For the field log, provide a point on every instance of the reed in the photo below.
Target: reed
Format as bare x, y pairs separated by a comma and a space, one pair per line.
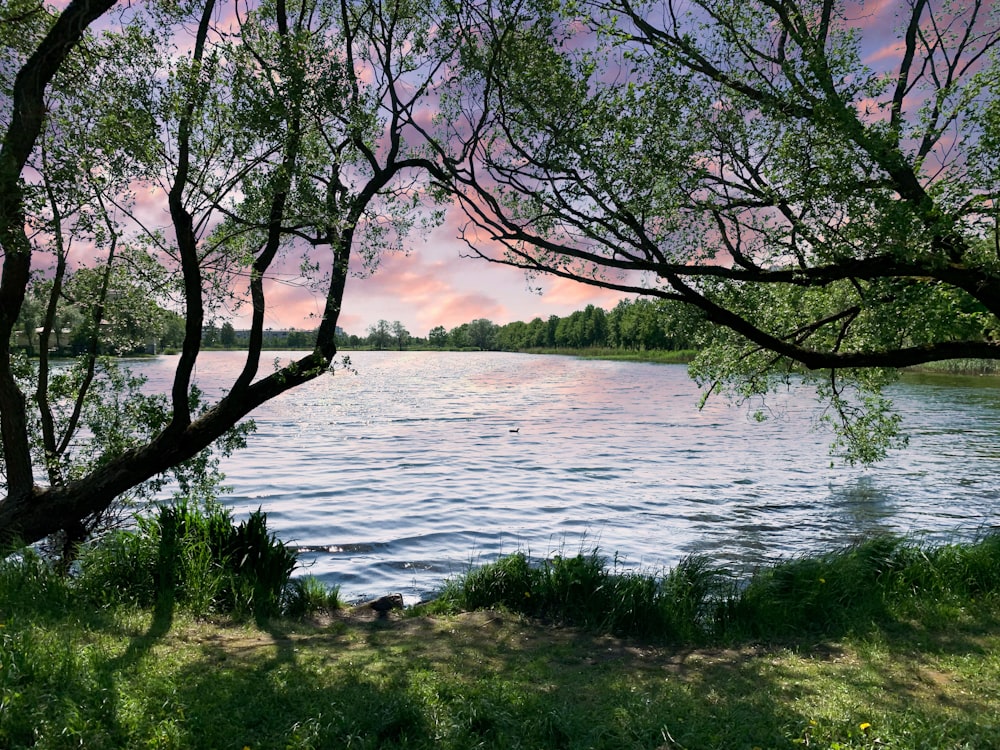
307, 595
825, 594
876, 581
581, 590
195, 557
961, 367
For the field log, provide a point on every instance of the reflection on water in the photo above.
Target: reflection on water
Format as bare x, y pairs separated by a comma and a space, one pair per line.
405, 473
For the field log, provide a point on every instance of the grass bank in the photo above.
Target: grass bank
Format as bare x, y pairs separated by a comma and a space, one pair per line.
970, 367
885, 644
952, 367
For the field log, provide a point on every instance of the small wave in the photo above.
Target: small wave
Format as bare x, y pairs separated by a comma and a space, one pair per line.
339, 549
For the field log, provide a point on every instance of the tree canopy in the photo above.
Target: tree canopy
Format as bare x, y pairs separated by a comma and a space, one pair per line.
827, 196
271, 136
833, 208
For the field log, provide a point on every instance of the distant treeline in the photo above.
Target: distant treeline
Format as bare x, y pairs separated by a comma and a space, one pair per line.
632, 325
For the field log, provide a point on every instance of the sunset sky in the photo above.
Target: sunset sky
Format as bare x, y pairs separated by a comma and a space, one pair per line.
434, 285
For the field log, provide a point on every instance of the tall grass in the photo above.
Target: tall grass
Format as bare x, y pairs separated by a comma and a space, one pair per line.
961, 367
198, 558
76, 675
102, 678
581, 590
875, 581
32, 588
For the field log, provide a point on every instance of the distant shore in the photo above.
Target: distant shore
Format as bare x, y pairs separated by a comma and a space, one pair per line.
952, 367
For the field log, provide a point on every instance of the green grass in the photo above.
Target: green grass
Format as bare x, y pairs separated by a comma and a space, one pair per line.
960, 367
199, 559
581, 591
875, 582
902, 652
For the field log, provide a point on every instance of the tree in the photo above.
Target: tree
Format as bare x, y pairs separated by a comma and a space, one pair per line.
379, 334
438, 337
172, 327
287, 132
227, 335
297, 339
833, 219
595, 326
482, 334
513, 336
401, 335
210, 336
537, 334
459, 336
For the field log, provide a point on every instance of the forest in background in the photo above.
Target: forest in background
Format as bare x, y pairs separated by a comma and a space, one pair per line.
632, 325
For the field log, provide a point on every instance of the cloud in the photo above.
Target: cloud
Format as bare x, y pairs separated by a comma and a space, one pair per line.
890, 51
410, 278
423, 289
456, 309
561, 291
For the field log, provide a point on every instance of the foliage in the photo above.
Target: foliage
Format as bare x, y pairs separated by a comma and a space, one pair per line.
580, 590
829, 593
281, 147
632, 325
102, 411
379, 334
307, 595
197, 558
874, 582
832, 212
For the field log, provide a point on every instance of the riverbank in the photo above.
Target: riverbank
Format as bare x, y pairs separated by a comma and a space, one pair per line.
952, 367
922, 673
971, 367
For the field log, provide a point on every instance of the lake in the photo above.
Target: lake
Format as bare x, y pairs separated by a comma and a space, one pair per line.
417, 465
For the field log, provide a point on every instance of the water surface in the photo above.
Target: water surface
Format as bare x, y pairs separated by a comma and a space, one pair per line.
405, 472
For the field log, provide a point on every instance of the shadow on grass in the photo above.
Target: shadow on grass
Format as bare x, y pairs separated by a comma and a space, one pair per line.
485, 679
488, 680
166, 601
159, 627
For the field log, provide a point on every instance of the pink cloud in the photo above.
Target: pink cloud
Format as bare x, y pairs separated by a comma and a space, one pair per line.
890, 51
566, 292
150, 207
292, 305
457, 308
408, 278
351, 323
425, 291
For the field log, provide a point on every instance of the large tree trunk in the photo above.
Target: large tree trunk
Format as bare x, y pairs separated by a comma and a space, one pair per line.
30, 512
40, 512
27, 117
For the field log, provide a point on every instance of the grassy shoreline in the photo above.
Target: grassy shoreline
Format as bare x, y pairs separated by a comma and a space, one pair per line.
489, 679
920, 670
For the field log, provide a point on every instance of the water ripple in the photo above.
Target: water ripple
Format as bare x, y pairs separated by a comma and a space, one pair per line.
406, 473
